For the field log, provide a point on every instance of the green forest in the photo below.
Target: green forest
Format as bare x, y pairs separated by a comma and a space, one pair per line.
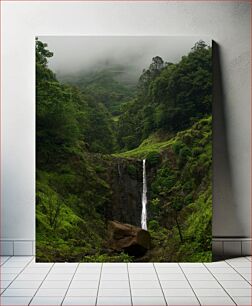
93, 132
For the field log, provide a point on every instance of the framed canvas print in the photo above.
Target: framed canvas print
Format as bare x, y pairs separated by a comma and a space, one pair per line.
123, 149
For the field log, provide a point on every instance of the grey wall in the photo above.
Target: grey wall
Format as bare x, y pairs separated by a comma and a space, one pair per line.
228, 23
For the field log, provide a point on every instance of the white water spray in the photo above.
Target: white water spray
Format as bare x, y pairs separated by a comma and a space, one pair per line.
144, 199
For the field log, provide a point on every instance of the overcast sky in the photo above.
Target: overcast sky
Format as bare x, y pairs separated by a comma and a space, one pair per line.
77, 53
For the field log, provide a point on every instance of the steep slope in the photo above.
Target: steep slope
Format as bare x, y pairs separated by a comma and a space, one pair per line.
179, 193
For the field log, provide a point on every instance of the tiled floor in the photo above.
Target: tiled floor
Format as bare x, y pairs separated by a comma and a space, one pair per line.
24, 282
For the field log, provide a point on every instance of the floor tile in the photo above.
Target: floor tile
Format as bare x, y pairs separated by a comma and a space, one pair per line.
114, 264
114, 269
59, 277
200, 276
243, 270
235, 284
103, 300
114, 292
220, 264
220, 300
143, 277
241, 264
66, 265
62, 270
152, 301
239, 291
40, 265
174, 284
4, 259
25, 284
140, 264
9, 270
115, 276
55, 284
51, 292
47, 300
247, 277
229, 276
14, 300
36, 270
9, 276
178, 292
204, 284
141, 271
80, 300
82, 292
180, 300
94, 264
86, 277
89, 270
146, 292
84, 284
145, 284
5, 283
195, 270
166, 264
114, 284
14, 264
243, 300
191, 264
210, 292
172, 276
219, 270
139, 267
28, 276
237, 259
21, 258
19, 292
169, 270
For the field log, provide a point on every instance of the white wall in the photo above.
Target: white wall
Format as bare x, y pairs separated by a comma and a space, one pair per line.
228, 23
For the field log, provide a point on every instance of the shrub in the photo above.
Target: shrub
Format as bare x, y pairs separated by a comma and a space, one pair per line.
177, 145
153, 158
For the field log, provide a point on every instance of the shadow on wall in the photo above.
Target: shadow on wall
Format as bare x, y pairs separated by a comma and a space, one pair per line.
225, 215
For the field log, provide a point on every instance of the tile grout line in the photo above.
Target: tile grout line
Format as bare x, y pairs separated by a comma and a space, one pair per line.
189, 284
1, 266
96, 300
239, 273
70, 284
220, 284
131, 299
41, 283
16, 276
9, 257
246, 258
160, 283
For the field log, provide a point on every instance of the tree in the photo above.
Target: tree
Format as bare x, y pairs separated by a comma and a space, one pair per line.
42, 54
171, 97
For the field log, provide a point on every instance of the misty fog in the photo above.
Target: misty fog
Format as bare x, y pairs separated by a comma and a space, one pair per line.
131, 54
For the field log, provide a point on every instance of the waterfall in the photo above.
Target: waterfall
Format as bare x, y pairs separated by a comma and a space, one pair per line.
144, 199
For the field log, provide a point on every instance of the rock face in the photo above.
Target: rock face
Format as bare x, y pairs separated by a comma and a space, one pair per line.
128, 238
125, 180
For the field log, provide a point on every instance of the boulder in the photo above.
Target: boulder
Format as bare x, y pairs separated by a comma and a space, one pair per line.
131, 239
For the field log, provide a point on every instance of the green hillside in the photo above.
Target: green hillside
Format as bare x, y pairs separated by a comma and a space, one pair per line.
103, 85
180, 197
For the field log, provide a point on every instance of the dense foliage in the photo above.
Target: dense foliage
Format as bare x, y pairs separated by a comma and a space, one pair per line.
87, 123
171, 97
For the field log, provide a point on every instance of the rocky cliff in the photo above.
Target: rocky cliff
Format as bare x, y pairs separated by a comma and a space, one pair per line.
125, 179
